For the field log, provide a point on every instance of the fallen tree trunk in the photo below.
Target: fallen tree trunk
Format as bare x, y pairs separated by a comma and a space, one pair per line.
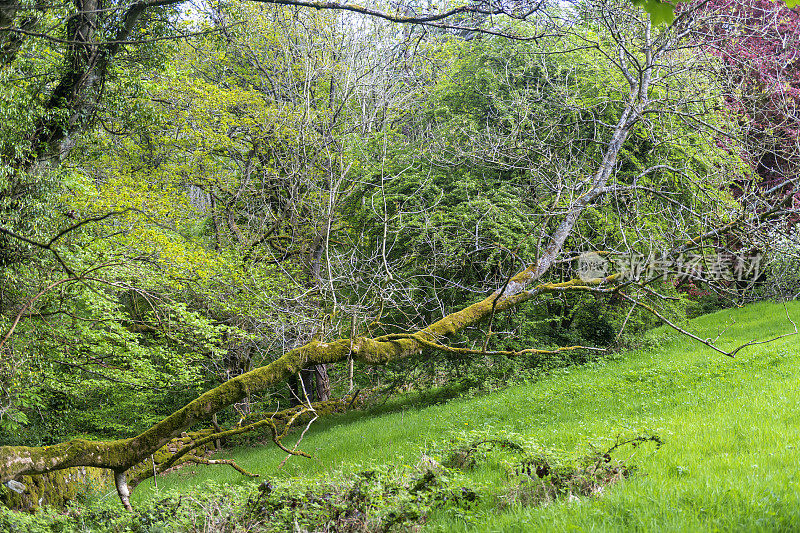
121, 455
55, 489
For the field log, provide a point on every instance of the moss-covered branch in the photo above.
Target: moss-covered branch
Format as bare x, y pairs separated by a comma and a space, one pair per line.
121, 455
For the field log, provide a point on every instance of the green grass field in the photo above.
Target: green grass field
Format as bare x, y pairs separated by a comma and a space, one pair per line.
731, 430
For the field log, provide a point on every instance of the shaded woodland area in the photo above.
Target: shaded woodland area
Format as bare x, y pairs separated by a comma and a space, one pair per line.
231, 217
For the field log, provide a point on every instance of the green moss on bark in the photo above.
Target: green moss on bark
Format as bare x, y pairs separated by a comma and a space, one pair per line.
58, 488
125, 454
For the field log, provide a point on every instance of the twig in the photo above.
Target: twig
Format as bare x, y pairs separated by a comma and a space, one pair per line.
30, 303
497, 298
467, 351
708, 342
49, 245
294, 448
754, 342
229, 462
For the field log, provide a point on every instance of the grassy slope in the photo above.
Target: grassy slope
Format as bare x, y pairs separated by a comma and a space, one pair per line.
731, 430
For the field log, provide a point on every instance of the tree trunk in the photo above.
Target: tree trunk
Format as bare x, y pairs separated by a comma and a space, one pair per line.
323, 383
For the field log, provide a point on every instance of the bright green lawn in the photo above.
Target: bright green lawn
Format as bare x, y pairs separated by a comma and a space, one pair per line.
730, 462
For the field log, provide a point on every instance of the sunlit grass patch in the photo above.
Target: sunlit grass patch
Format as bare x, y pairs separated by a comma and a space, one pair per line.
731, 432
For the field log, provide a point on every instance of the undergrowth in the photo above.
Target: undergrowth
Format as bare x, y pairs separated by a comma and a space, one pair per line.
384, 498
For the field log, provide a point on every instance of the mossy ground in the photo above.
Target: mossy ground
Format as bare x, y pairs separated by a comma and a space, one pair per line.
731, 431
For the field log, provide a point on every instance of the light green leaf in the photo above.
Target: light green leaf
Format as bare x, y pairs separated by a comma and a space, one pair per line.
660, 12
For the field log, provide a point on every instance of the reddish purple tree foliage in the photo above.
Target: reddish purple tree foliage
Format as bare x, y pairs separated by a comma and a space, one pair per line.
758, 42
